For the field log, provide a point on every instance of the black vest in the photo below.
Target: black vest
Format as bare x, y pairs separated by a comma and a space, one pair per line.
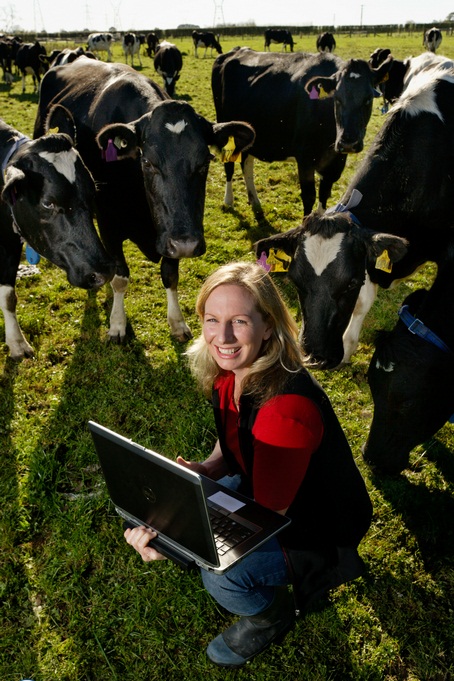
332, 506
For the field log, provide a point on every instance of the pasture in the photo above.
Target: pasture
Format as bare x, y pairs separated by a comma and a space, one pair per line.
78, 604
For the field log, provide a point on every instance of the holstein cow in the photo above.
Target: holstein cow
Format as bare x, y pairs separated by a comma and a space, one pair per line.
278, 35
432, 39
326, 42
396, 214
207, 40
152, 43
66, 56
151, 174
29, 61
47, 195
131, 46
168, 62
280, 96
411, 374
100, 42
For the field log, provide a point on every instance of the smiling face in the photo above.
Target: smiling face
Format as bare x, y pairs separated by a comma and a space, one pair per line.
234, 329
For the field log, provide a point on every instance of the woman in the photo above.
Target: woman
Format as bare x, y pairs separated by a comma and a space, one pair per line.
280, 443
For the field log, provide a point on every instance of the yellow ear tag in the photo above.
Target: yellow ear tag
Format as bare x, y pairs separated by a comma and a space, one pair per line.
52, 131
322, 93
383, 262
278, 260
227, 155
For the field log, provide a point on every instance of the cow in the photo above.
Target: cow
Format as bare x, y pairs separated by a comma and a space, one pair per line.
151, 175
152, 44
168, 62
432, 39
326, 42
47, 195
206, 39
29, 60
278, 35
280, 96
66, 56
131, 46
100, 42
6, 59
396, 214
411, 374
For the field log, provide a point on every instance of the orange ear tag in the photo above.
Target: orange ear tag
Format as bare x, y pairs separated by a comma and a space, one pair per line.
322, 93
383, 262
278, 260
52, 131
227, 155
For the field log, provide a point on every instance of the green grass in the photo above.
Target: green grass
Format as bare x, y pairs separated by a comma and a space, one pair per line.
77, 603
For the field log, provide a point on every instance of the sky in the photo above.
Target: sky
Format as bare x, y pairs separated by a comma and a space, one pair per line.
100, 15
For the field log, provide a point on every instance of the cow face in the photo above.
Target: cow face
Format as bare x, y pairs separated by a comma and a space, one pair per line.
330, 257
51, 193
353, 89
411, 384
172, 143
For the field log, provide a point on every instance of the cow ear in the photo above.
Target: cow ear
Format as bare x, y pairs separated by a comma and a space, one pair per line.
381, 73
287, 242
243, 135
60, 119
14, 182
321, 86
385, 250
118, 141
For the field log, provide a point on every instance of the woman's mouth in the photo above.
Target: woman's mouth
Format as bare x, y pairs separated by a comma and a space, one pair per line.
227, 352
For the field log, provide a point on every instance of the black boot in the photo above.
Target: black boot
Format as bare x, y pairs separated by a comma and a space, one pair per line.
250, 635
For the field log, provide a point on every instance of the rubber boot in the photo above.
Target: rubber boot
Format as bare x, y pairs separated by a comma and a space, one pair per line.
250, 635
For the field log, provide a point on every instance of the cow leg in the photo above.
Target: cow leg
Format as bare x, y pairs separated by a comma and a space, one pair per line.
329, 175
228, 194
247, 166
350, 339
117, 330
14, 337
169, 276
306, 178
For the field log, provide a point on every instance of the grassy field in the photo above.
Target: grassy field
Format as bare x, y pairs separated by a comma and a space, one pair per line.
77, 603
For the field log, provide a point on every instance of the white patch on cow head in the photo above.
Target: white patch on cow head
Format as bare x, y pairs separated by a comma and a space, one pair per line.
354, 75
177, 128
388, 367
320, 251
64, 162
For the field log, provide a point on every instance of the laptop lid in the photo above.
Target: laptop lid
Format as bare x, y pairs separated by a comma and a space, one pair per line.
148, 489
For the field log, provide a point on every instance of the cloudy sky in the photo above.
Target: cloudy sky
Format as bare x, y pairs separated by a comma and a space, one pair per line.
55, 15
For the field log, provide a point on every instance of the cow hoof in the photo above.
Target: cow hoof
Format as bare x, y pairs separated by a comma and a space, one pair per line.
116, 338
182, 336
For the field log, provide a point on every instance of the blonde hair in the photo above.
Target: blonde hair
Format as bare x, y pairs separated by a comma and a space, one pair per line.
281, 353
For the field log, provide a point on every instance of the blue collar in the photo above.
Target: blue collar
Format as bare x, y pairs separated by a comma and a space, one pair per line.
417, 327
18, 142
353, 201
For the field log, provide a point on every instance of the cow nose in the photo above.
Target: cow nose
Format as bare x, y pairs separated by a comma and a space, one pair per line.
347, 147
188, 248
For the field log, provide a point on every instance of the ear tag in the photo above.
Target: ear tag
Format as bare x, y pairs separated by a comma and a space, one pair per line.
32, 256
227, 155
313, 94
120, 142
53, 131
111, 152
383, 262
322, 93
278, 260
262, 262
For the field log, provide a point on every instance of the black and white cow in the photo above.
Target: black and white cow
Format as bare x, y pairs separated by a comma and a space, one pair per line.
206, 40
151, 175
168, 62
326, 42
66, 56
411, 374
397, 213
47, 195
432, 39
280, 95
29, 60
278, 35
100, 42
152, 43
131, 46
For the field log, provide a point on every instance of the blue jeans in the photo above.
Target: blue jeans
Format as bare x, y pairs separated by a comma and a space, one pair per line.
248, 587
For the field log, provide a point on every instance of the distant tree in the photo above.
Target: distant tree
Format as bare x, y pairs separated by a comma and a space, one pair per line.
450, 17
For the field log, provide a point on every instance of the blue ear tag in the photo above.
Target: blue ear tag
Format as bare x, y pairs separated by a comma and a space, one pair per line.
451, 419
32, 256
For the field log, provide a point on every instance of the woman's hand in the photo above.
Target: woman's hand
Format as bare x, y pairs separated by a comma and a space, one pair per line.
139, 538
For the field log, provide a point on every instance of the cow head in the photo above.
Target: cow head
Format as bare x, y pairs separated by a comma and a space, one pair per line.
411, 384
172, 143
50, 193
353, 89
330, 256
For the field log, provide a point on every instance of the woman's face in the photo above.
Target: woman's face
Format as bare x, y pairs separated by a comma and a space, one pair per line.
233, 328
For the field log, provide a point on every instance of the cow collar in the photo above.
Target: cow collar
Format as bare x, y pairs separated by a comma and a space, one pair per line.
418, 328
354, 200
18, 142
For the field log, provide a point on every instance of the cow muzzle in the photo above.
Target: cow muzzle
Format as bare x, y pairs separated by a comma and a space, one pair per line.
184, 248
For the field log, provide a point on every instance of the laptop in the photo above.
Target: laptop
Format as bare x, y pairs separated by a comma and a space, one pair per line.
199, 522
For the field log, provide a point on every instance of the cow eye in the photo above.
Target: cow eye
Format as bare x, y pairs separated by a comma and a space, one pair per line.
48, 205
148, 165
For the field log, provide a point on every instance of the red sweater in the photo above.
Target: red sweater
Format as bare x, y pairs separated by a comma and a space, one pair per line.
287, 430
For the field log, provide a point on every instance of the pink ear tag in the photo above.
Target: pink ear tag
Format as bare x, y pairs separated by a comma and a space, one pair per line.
262, 262
313, 93
111, 152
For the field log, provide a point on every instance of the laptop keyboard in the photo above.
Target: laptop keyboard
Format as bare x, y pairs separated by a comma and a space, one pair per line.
227, 532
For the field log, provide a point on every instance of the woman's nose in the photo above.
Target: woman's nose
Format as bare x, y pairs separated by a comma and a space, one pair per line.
225, 333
